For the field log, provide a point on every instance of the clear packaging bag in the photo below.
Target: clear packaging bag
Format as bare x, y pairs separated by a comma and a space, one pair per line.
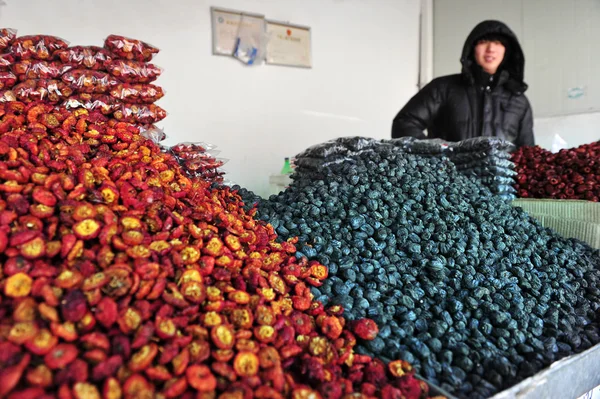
186, 150
34, 69
50, 90
6, 62
251, 42
137, 93
90, 81
90, 57
133, 71
7, 80
93, 102
7, 37
7, 96
140, 113
130, 49
40, 47
153, 133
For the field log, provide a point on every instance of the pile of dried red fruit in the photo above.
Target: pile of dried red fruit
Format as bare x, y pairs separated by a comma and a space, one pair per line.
569, 174
123, 278
115, 79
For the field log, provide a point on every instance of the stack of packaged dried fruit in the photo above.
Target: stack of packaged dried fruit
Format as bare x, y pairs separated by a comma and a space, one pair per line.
198, 160
116, 79
124, 278
572, 173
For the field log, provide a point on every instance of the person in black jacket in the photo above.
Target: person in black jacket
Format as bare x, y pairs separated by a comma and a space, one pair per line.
486, 99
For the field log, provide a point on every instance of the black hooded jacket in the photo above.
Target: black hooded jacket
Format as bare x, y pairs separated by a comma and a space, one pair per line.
473, 104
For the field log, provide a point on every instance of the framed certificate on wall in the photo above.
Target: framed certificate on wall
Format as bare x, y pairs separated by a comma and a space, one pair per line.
225, 27
288, 45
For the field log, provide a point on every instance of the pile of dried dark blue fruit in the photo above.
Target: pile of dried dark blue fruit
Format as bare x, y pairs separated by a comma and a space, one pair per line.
473, 292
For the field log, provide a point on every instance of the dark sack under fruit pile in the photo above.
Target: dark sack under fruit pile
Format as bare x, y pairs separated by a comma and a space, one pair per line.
476, 294
121, 277
573, 173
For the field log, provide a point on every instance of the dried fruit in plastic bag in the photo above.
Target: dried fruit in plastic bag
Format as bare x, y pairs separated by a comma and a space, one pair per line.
130, 49
89, 81
40, 47
7, 80
153, 133
49, 90
6, 62
204, 164
137, 93
7, 96
7, 36
93, 102
189, 150
140, 113
133, 71
33, 69
90, 57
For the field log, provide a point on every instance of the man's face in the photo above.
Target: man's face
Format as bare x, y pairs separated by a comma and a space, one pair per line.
489, 55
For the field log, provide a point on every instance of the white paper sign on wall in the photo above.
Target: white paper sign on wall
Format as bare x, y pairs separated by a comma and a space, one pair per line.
289, 45
225, 26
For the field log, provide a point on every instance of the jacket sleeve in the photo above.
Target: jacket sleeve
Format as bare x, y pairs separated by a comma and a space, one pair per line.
526, 129
419, 113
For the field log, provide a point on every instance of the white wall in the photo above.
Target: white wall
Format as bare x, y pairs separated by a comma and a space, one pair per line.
365, 66
544, 71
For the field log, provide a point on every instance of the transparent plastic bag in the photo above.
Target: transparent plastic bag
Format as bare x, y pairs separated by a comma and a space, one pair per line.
490, 161
140, 113
489, 171
7, 80
357, 143
203, 165
90, 57
483, 144
6, 62
153, 133
323, 150
7, 37
49, 90
90, 81
7, 96
93, 102
186, 150
130, 49
133, 71
40, 47
34, 69
251, 42
467, 157
137, 93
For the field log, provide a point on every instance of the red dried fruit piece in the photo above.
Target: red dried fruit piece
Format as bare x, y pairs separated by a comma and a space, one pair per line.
268, 357
60, 356
137, 387
165, 328
84, 390
175, 388
158, 373
87, 229
332, 327
84, 211
69, 279
365, 329
200, 378
107, 312
265, 334
399, 368
40, 376
112, 389
194, 291
10, 376
34, 249
22, 332
246, 364
18, 285
143, 358
44, 197
74, 306
129, 320
25, 310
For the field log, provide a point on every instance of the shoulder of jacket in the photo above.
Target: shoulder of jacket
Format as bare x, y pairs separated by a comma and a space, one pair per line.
448, 80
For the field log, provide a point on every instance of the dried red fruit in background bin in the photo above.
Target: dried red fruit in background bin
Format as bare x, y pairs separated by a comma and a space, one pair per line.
89, 81
130, 49
133, 71
90, 57
7, 80
146, 114
32, 90
246, 364
137, 93
33, 69
40, 47
7, 37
